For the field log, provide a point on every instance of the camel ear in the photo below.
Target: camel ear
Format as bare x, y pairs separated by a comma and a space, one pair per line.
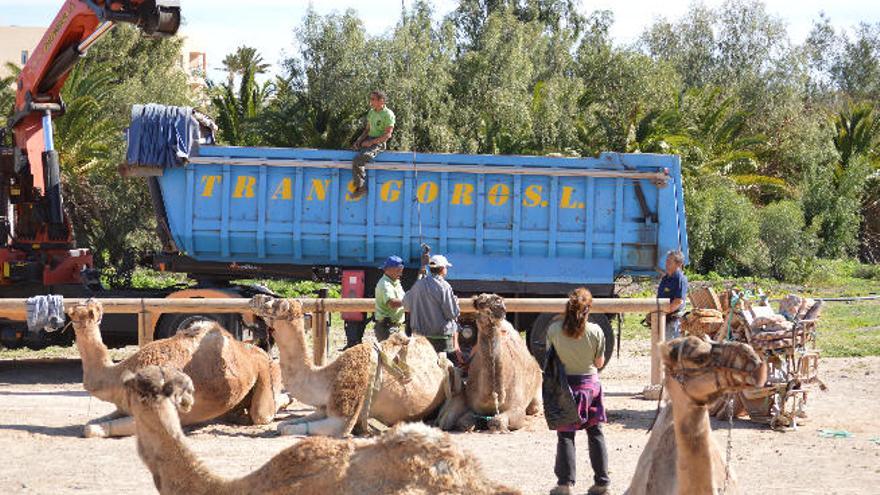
127, 377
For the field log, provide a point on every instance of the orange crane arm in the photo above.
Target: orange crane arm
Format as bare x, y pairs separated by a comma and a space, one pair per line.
77, 26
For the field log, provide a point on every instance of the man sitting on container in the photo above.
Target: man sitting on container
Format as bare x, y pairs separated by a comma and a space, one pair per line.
674, 286
371, 142
389, 299
433, 308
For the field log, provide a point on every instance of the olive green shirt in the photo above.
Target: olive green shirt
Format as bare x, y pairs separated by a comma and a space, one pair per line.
386, 290
578, 355
379, 121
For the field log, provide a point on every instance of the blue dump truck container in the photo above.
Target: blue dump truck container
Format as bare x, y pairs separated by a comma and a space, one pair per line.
515, 225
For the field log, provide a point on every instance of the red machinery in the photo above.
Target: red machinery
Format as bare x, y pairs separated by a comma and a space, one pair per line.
36, 239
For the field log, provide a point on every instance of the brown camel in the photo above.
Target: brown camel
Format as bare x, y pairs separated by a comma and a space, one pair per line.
409, 390
681, 458
408, 459
504, 380
229, 375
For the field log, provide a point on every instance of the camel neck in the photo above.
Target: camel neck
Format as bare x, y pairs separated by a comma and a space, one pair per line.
490, 347
175, 468
694, 452
99, 373
294, 353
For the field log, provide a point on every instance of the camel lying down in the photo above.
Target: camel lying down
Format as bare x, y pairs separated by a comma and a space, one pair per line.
410, 388
408, 459
230, 376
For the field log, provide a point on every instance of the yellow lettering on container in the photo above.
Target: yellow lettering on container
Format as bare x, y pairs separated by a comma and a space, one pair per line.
318, 190
390, 191
427, 192
351, 189
244, 186
284, 189
499, 194
209, 181
566, 202
462, 194
533, 196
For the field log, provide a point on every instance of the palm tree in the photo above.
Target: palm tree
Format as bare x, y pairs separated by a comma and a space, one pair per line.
857, 133
237, 110
243, 59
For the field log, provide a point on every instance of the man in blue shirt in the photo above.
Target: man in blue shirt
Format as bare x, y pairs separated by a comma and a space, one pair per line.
674, 286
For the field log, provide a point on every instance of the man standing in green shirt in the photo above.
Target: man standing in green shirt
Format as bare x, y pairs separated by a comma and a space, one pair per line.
371, 142
389, 299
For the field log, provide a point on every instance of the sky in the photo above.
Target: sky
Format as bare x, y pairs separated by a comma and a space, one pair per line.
219, 26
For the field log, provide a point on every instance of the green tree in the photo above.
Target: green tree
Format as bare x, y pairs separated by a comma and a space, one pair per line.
239, 110
243, 59
112, 215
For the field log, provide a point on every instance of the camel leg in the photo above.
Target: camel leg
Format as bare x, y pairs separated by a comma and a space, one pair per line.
318, 414
121, 427
536, 404
330, 427
452, 410
513, 419
263, 407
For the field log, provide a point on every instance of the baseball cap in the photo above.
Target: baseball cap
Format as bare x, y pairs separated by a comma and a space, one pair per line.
392, 262
438, 260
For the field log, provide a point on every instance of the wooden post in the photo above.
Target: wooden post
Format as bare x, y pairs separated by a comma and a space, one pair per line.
658, 335
319, 337
145, 336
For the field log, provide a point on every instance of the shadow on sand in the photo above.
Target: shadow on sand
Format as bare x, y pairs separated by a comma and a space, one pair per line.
40, 371
49, 431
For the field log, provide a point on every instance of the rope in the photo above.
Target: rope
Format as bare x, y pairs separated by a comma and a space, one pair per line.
411, 132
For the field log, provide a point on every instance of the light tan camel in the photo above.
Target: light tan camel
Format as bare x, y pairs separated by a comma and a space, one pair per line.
408, 459
229, 375
681, 458
504, 380
339, 389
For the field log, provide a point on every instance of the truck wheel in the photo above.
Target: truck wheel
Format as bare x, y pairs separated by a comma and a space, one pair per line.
537, 339
170, 324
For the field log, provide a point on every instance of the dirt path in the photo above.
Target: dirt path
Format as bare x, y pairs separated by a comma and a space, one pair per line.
43, 407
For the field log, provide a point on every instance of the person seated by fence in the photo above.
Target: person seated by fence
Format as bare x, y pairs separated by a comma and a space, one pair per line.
674, 286
580, 347
389, 299
371, 142
433, 308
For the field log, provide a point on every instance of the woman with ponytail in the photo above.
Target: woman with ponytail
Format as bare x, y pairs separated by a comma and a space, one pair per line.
580, 347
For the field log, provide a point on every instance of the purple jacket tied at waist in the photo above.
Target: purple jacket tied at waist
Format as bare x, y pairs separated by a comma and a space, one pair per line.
587, 393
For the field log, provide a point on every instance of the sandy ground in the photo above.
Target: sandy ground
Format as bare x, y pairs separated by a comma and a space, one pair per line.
43, 408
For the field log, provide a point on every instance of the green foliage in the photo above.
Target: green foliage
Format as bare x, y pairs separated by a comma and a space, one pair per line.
302, 288
790, 244
724, 232
111, 215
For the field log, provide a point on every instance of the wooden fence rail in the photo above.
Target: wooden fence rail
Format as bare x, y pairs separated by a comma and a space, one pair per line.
152, 308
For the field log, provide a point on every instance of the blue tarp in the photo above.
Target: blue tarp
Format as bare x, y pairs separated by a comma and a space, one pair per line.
161, 136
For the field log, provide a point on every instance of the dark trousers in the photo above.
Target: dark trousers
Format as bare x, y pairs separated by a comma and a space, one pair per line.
565, 456
441, 344
383, 329
358, 165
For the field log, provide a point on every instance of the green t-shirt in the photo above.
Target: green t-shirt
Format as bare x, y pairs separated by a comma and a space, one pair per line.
379, 121
386, 290
578, 355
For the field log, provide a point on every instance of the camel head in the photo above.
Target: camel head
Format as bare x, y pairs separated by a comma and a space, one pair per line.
86, 315
703, 370
274, 308
159, 388
490, 310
